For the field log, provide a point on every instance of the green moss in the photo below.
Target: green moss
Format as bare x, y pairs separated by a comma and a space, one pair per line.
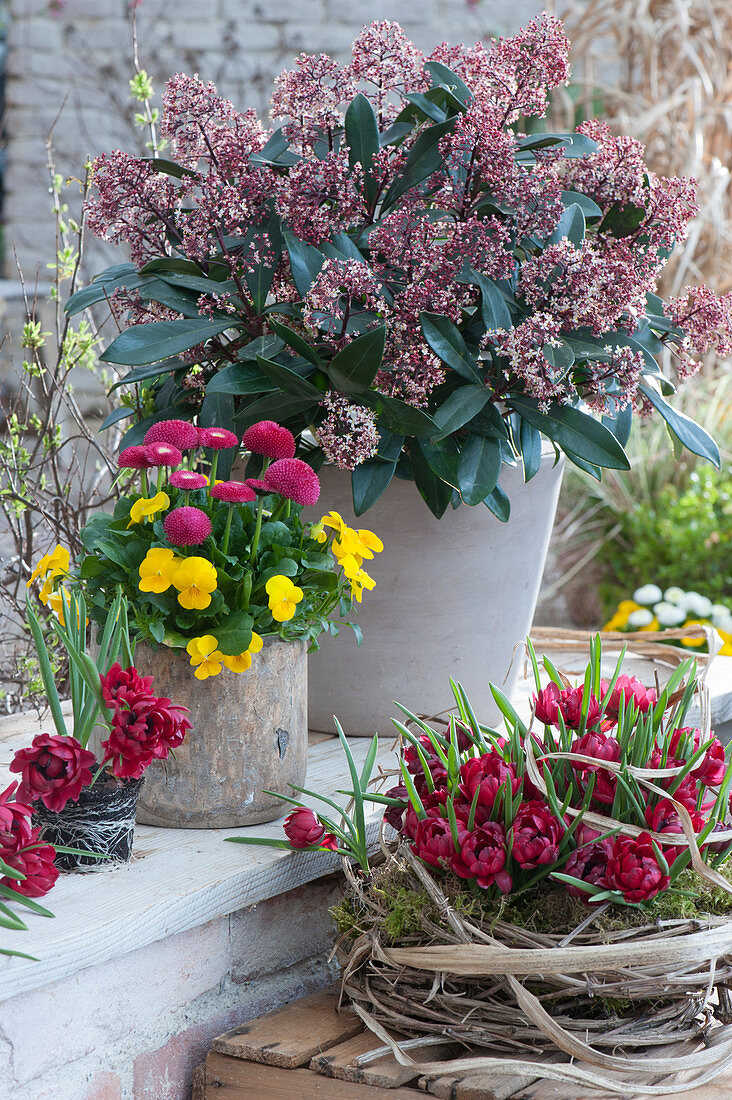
409, 914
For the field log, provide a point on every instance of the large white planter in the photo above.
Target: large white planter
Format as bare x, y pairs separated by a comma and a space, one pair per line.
452, 598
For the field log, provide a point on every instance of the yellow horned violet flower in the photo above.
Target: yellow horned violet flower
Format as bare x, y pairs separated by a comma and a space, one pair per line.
157, 569
195, 580
359, 544
55, 564
146, 507
283, 597
358, 577
206, 658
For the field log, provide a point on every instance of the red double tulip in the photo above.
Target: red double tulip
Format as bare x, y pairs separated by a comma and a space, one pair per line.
712, 768
600, 747
482, 857
536, 835
486, 774
305, 830
433, 841
633, 869
553, 701
15, 823
588, 863
628, 689
120, 685
37, 865
53, 769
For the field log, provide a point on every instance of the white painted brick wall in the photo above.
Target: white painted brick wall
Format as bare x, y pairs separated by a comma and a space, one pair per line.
81, 58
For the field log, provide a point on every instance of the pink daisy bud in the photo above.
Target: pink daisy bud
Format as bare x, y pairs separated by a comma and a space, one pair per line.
187, 526
294, 479
257, 485
135, 458
186, 479
218, 439
269, 439
179, 433
163, 454
234, 492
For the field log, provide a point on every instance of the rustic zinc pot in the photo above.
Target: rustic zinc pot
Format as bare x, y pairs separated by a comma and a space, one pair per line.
249, 733
453, 597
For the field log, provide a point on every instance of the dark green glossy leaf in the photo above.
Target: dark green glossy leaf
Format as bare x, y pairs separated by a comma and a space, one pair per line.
362, 138
289, 380
368, 482
427, 106
354, 368
460, 407
447, 342
146, 373
295, 341
122, 413
240, 379
276, 151
588, 206
488, 422
499, 504
442, 458
493, 308
573, 144
101, 289
434, 492
158, 340
170, 168
530, 442
620, 424
275, 406
398, 417
305, 262
695, 438
574, 431
623, 220
571, 225
160, 290
446, 78
479, 468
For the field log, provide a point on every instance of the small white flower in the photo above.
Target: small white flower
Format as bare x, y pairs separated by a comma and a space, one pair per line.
674, 594
641, 617
720, 614
669, 615
648, 594
695, 604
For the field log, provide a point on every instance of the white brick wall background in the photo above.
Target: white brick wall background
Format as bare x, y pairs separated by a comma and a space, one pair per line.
74, 67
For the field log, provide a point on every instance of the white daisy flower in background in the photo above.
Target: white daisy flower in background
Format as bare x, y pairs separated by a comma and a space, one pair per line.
647, 594
673, 594
695, 604
641, 617
668, 614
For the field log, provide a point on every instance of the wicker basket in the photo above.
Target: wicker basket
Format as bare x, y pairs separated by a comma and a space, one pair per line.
645, 1009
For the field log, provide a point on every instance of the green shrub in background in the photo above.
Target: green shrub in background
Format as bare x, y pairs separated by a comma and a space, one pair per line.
676, 537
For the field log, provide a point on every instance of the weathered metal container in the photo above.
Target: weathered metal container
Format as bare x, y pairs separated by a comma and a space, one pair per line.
250, 733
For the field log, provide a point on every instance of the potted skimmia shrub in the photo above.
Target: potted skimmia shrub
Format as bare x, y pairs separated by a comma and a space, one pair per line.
430, 298
226, 589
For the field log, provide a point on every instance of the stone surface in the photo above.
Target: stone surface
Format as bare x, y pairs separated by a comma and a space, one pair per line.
249, 734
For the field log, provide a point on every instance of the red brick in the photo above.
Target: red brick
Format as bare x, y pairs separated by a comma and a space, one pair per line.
104, 1086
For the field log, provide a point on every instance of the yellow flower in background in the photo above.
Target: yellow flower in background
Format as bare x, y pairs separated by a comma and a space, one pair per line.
334, 520
284, 596
621, 615
726, 650
318, 532
242, 661
146, 507
652, 625
358, 577
195, 580
206, 658
55, 564
359, 544
157, 569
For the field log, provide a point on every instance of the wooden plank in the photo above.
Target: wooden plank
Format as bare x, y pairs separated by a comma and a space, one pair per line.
236, 1079
292, 1035
386, 1073
199, 1083
177, 880
478, 1086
